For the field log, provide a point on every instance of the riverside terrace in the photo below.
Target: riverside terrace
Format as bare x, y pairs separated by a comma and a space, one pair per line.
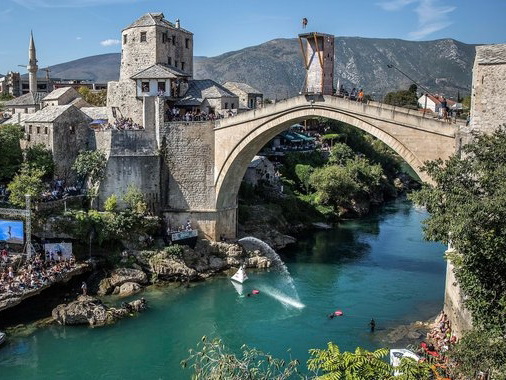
19, 281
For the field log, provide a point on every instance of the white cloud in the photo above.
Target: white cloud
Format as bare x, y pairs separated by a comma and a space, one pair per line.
33, 4
79, 38
395, 5
109, 42
432, 16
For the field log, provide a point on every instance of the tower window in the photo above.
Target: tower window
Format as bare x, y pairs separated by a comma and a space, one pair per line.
165, 37
169, 61
161, 87
232, 106
38, 130
45, 130
187, 43
145, 87
175, 63
173, 39
124, 39
143, 37
226, 105
182, 66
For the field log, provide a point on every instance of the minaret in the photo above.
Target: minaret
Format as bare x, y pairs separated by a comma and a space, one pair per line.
32, 66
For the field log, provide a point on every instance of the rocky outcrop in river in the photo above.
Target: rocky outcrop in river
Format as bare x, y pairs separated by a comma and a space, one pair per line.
87, 310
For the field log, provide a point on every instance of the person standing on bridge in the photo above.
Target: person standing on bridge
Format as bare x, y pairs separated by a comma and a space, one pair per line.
304, 23
360, 96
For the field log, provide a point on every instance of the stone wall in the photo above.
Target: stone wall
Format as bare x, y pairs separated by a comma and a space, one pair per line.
489, 81
188, 155
121, 96
133, 160
458, 315
320, 53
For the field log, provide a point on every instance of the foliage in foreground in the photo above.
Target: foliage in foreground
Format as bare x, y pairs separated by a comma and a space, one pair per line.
91, 165
212, 360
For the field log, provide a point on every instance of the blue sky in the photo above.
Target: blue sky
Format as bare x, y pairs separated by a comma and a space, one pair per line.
70, 29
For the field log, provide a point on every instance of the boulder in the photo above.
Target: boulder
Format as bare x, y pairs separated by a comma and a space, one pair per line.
91, 311
119, 277
168, 267
127, 289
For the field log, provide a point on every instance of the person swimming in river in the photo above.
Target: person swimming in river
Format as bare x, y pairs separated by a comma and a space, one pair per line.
331, 316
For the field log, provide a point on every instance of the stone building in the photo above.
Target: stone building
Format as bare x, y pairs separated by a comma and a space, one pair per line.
28, 103
61, 96
489, 81
207, 96
260, 169
249, 97
64, 130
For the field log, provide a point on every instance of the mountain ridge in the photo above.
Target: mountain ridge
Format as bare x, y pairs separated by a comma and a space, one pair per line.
275, 67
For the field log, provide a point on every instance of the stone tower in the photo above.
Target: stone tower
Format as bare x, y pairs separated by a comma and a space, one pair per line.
32, 65
152, 40
318, 55
156, 63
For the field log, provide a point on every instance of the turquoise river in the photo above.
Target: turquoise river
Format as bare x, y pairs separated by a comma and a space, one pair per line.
378, 266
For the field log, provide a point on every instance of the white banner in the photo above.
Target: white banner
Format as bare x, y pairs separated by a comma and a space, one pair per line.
58, 251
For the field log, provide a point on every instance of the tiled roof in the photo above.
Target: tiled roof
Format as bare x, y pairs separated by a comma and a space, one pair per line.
199, 90
96, 113
491, 54
30, 99
56, 94
49, 114
160, 72
243, 87
154, 19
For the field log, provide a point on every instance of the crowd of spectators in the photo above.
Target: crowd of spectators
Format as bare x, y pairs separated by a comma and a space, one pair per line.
36, 272
176, 114
120, 124
57, 189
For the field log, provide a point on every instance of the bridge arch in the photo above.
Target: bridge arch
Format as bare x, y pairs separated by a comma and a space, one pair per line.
231, 172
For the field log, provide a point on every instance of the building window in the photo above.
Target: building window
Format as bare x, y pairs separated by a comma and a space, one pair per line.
232, 106
165, 37
145, 87
175, 63
187, 43
226, 105
161, 87
124, 39
30, 129
38, 130
182, 66
45, 130
169, 61
143, 37
72, 129
174, 40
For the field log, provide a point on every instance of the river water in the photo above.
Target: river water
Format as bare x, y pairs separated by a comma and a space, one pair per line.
377, 267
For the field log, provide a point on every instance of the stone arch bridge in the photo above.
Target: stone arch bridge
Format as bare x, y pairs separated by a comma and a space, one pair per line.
219, 154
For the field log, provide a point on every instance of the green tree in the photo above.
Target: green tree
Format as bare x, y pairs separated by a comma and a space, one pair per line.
11, 157
334, 186
39, 157
341, 153
409, 369
27, 181
358, 365
97, 98
403, 98
213, 361
111, 203
466, 102
479, 351
467, 204
303, 173
91, 165
134, 198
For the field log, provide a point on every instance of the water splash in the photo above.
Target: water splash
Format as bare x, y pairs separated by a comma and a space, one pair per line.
287, 285
281, 297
